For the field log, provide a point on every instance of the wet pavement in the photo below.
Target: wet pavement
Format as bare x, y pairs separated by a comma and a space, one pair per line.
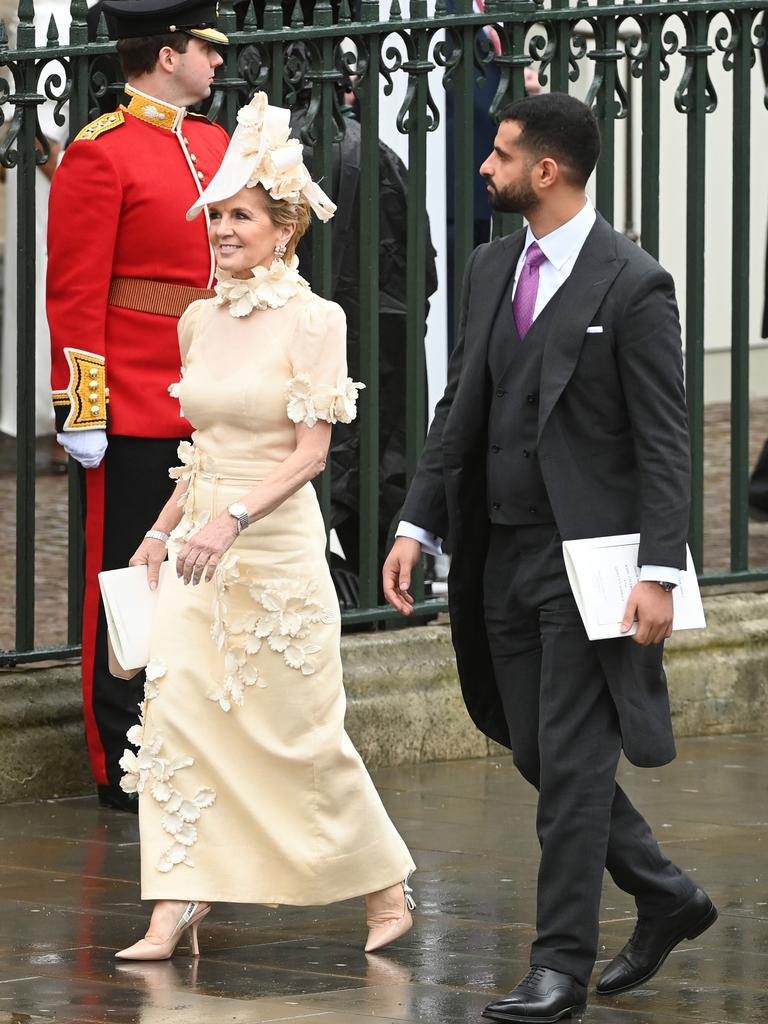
69, 898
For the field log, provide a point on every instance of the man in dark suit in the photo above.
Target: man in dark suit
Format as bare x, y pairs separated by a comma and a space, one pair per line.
564, 417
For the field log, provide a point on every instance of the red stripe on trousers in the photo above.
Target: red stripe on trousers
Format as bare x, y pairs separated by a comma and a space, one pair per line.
94, 554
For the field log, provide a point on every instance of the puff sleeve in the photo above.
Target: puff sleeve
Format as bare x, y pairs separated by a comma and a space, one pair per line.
188, 324
320, 388
187, 328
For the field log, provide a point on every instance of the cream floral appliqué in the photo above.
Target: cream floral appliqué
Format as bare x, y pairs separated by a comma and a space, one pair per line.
282, 616
267, 288
174, 390
149, 770
189, 457
155, 670
276, 160
191, 463
308, 403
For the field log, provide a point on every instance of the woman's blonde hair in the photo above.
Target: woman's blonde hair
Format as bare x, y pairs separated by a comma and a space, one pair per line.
282, 212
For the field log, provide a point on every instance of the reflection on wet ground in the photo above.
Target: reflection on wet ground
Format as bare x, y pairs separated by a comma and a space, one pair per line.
69, 898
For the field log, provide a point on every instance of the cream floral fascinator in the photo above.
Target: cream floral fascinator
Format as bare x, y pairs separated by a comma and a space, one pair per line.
261, 152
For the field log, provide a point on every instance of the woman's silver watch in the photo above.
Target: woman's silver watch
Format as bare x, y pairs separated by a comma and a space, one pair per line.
665, 585
239, 513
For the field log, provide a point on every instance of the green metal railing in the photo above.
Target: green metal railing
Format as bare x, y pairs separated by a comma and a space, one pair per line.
596, 49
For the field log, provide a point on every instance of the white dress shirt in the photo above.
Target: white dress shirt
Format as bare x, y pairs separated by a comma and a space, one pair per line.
561, 247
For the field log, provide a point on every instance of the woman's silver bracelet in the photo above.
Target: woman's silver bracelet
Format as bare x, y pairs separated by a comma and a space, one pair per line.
157, 535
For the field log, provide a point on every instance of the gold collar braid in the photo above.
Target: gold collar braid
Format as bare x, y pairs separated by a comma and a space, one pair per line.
154, 111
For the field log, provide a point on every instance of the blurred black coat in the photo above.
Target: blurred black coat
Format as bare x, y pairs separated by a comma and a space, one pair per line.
764, 63
345, 226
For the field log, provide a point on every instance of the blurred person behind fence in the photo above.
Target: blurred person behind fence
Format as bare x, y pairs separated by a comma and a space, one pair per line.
344, 183
758, 483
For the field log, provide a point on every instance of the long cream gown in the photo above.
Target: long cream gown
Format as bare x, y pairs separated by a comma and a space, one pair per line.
250, 789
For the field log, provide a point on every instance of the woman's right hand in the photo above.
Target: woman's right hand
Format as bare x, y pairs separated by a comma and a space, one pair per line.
151, 552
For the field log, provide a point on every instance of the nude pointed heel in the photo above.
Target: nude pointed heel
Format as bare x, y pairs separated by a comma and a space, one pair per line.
193, 936
389, 926
189, 921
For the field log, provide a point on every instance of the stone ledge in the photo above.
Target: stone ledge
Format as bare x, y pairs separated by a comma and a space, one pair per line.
404, 704
42, 743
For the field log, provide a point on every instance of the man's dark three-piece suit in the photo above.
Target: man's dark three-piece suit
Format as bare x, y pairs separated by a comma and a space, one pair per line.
573, 432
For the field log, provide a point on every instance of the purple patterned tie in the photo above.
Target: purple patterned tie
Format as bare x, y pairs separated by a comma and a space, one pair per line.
524, 301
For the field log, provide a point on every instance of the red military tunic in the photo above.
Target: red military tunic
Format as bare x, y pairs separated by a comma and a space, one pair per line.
117, 210
123, 261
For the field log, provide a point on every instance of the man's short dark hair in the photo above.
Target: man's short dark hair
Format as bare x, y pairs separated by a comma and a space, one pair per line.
561, 127
138, 56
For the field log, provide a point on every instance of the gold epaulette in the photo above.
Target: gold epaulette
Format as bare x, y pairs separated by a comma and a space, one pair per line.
85, 399
102, 124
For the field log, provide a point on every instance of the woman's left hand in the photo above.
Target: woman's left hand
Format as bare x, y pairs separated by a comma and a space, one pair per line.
203, 552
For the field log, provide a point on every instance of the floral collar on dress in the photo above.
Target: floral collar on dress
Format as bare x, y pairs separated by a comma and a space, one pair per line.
269, 288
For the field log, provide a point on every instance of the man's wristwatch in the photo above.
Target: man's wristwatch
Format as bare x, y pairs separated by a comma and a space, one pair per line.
239, 513
669, 587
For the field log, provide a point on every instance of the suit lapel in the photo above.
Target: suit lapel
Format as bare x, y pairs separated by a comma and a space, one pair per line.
579, 299
491, 291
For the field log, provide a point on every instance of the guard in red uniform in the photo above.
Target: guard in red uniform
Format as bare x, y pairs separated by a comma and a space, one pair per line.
123, 265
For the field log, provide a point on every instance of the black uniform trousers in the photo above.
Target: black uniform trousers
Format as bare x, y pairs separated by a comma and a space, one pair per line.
123, 498
566, 742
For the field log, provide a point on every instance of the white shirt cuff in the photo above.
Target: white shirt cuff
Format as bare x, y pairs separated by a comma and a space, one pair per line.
430, 542
659, 574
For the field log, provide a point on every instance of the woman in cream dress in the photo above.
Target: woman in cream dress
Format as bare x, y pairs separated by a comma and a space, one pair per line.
250, 789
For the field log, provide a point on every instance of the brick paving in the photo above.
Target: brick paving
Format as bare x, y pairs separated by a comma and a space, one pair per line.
51, 526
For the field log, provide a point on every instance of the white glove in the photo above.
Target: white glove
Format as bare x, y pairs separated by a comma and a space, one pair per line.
85, 446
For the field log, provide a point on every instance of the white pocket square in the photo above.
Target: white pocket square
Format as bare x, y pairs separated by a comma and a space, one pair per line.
595, 330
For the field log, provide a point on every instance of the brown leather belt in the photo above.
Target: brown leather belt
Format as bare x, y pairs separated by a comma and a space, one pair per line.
159, 297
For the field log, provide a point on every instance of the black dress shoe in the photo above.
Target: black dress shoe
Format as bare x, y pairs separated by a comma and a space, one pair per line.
113, 796
652, 941
543, 995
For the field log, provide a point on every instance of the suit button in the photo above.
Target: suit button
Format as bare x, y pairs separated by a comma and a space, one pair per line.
533, 510
500, 392
495, 448
193, 158
526, 453
95, 410
93, 372
200, 175
530, 399
495, 506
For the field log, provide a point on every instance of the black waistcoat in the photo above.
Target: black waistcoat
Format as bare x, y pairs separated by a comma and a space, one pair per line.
516, 492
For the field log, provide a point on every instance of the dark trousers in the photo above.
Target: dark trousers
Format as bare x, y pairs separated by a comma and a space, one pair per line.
566, 742
123, 497
758, 482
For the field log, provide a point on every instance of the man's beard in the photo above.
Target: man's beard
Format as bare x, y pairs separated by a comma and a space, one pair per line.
513, 199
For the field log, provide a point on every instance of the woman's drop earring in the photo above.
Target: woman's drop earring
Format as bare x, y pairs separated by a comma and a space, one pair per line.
280, 250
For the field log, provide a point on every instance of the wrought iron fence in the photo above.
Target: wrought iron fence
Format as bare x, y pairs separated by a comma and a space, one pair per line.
314, 52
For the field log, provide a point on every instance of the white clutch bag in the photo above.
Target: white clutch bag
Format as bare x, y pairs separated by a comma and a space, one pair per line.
129, 606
